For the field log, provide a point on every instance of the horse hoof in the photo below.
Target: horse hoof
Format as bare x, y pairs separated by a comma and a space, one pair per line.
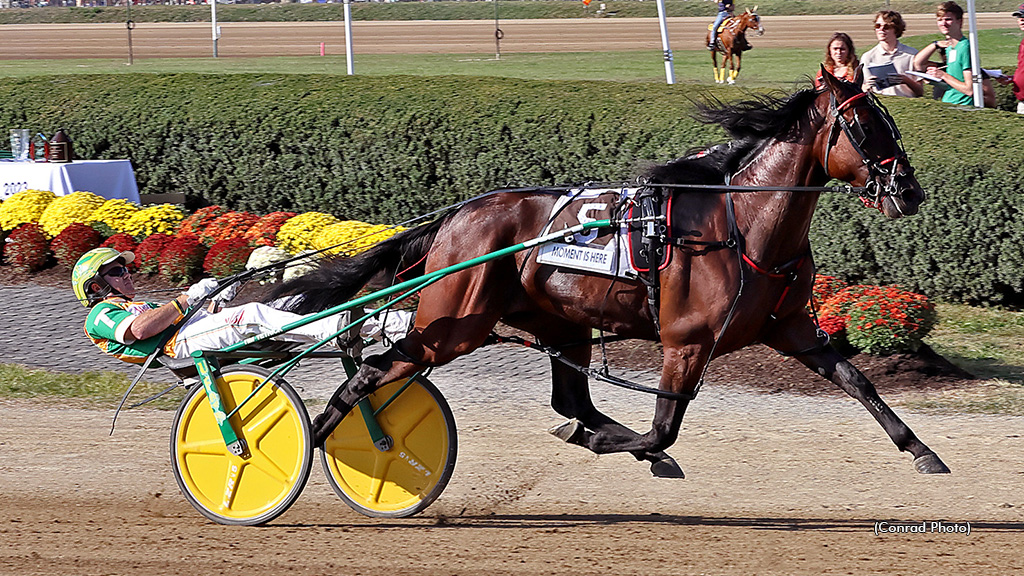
930, 464
570, 431
731, 81
667, 468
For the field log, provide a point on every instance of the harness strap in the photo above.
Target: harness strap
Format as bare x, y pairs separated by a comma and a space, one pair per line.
602, 375
849, 101
418, 262
653, 245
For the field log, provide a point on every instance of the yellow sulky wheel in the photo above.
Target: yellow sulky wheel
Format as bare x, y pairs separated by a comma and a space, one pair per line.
412, 473
255, 487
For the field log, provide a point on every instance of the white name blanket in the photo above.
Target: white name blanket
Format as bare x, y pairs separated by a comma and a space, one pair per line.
603, 251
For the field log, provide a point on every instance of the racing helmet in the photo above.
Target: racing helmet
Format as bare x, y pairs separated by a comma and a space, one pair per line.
87, 271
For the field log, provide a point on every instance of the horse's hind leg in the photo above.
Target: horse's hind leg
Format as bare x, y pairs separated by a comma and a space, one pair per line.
831, 364
570, 397
446, 328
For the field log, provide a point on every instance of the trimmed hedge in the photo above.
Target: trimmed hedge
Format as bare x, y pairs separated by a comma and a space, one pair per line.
383, 149
376, 149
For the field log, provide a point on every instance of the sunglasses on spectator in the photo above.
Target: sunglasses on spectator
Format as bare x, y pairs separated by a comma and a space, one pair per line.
117, 272
885, 26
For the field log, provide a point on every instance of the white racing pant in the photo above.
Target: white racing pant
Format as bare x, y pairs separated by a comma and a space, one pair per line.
213, 331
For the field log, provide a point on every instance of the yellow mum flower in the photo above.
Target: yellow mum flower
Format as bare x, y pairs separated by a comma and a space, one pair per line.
67, 210
115, 213
298, 233
352, 237
158, 219
24, 207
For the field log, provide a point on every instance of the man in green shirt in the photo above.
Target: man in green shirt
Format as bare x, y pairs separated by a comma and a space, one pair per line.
131, 330
949, 17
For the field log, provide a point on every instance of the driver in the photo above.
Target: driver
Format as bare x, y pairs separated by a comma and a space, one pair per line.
130, 329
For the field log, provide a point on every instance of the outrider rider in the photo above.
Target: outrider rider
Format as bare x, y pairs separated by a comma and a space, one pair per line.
725, 10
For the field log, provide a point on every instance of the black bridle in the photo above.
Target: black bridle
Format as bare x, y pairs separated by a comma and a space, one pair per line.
882, 173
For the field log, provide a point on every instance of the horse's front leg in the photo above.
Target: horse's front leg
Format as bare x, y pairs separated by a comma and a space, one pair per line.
797, 333
570, 397
680, 373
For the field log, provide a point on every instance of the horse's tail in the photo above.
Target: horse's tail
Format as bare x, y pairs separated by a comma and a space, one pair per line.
336, 281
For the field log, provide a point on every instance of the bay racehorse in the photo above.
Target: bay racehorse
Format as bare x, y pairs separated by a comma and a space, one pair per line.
748, 281
732, 43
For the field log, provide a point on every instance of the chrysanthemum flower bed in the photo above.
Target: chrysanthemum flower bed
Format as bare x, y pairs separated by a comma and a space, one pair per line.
23, 208
27, 248
182, 260
159, 219
264, 231
76, 239
200, 219
227, 257
167, 240
67, 210
299, 233
226, 226
114, 214
874, 319
147, 255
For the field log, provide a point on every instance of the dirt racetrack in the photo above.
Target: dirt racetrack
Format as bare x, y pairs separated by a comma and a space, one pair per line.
776, 484
179, 40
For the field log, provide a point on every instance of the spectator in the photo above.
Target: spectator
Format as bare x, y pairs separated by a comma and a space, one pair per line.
1018, 75
840, 58
725, 8
889, 26
957, 73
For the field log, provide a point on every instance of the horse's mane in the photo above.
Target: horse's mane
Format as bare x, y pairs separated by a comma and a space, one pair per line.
749, 122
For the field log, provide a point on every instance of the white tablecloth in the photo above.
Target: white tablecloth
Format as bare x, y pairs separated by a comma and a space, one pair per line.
107, 178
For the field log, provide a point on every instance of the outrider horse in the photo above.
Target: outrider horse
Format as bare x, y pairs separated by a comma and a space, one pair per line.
732, 43
748, 282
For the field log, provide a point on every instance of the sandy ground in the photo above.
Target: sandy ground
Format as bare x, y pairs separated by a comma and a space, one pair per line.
167, 40
776, 484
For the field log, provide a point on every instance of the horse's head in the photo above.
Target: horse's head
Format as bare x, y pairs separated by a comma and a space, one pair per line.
752, 21
860, 144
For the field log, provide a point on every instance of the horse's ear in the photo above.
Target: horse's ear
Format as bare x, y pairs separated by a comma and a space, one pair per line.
755, 8
828, 79
858, 76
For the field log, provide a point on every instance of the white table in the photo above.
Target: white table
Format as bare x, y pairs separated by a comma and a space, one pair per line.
107, 178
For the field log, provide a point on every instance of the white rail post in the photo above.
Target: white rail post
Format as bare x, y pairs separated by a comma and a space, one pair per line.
349, 62
670, 74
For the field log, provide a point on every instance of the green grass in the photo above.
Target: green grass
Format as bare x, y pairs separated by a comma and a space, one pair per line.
988, 397
93, 388
777, 68
986, 342
507, 9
